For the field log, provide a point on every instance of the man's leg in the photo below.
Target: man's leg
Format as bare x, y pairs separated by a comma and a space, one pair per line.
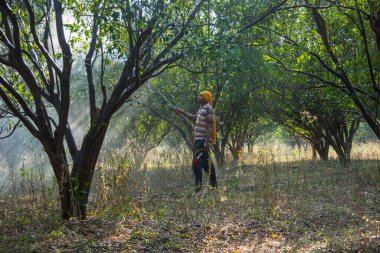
211, 173
197, 168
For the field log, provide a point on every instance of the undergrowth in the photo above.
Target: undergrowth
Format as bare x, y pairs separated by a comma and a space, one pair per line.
267, 206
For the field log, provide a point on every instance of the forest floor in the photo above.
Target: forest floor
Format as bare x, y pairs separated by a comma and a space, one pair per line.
279, 207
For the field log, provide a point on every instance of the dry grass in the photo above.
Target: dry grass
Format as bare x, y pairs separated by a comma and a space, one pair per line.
285, 153
271, 205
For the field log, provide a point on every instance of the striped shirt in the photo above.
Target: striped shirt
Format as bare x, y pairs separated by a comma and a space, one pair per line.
204, 117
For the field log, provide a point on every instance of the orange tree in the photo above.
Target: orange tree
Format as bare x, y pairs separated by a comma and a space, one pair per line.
334, 44
36, 66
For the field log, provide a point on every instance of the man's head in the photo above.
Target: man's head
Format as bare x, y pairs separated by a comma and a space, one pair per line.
205, 97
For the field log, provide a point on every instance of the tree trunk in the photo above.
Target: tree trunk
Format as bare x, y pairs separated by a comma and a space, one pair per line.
223, 152
374, 20
139, 157
340, 138
344, 154
66, 197
320, 144
323, 151
65, 184
298, 141
313, 152
250, 147
345, 161
84, 167
220, 153
236, 152
235, 155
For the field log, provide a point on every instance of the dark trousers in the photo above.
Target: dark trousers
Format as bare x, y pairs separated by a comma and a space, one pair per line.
202, 161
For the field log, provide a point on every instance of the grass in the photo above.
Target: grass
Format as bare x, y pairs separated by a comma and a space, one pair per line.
265, 204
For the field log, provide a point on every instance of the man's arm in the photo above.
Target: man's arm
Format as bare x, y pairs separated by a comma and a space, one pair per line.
182, 113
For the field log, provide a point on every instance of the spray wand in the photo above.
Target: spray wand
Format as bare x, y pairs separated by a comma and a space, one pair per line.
170, 104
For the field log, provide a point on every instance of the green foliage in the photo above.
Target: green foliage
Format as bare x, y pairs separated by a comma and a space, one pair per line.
298, 48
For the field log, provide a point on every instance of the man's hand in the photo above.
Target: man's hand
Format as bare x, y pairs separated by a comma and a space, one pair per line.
184, 114
178, 110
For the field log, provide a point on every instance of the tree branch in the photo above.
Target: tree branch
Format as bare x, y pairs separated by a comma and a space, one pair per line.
19, 115
19, 99
65, 79
88, 65
180, 34
369, 61
15, 26
12, 131
44, 51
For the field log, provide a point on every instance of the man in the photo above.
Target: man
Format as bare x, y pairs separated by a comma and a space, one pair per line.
204, 134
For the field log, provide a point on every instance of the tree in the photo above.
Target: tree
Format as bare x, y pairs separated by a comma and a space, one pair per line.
239, 109
289, 108
318, 114
144, 131
36, 72
333, 36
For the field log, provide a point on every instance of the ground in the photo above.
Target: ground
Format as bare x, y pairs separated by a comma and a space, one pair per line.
276, 207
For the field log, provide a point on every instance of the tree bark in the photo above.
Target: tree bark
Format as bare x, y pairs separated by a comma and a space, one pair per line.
345, 160
313, 153
236, 151
375, 22
84, 166
65, 186
236, 154
220, 152
340, 137
323, 151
